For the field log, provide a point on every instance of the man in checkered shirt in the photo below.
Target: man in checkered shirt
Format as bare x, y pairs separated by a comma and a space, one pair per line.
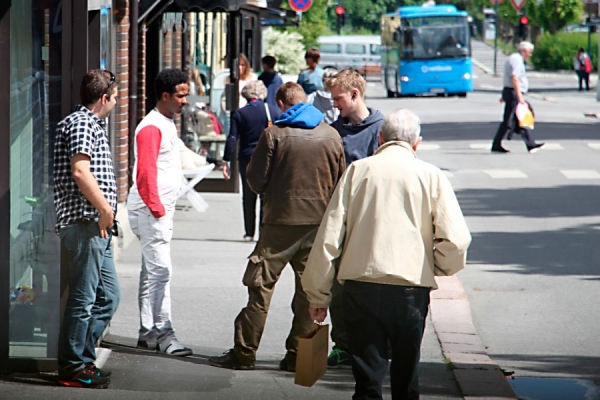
86, 201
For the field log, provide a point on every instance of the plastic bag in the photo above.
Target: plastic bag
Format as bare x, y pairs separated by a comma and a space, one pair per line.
524, 116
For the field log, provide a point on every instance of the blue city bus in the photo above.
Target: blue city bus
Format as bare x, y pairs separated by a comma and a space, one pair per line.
426, 50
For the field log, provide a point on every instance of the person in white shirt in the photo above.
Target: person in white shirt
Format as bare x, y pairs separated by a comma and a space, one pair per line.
515, 87
393, 223
151, 207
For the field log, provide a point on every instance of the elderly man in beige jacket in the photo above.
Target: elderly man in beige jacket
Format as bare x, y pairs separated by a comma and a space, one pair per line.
394, 223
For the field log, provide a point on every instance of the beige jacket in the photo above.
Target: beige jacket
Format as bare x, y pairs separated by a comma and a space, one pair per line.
393, 219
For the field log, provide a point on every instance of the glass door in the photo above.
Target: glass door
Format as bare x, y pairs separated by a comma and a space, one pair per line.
35, 107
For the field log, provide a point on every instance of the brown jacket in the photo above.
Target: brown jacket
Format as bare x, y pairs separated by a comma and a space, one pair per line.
297, 169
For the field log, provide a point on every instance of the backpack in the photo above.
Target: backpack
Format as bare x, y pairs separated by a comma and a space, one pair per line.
588, 64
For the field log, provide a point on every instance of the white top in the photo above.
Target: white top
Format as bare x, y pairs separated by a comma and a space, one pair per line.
157, 168
515, 66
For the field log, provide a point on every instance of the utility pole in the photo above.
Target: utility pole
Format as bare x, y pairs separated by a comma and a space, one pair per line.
495, 35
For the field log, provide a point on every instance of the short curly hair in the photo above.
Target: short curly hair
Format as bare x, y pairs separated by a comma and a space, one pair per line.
167, 80
254, 90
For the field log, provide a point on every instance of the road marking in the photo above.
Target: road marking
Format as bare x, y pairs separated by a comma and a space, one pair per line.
428, 146
486, 146
594, 145
552, 146
580, 173
505, 173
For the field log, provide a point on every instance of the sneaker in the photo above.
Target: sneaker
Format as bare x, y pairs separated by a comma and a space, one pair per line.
85, 379
248, 238
99, 372
339, 358
535, 148
229, 360
499, 150
287, 364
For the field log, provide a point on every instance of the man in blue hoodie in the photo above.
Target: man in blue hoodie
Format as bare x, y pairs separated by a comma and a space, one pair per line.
358, 125
296, 165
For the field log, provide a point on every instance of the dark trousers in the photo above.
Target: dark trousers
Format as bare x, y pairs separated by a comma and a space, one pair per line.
583, 77
336, 313
249, 200
509, 121
375, 314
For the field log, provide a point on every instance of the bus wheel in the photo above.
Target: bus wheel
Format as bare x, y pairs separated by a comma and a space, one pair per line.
463, 94
391, 94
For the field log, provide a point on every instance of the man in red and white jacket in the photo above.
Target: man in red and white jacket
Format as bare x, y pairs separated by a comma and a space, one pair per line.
151, 206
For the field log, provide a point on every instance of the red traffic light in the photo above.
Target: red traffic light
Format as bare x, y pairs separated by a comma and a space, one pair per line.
524, 20
339, 10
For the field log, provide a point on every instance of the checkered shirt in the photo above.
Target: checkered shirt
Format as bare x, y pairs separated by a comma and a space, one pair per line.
81, 132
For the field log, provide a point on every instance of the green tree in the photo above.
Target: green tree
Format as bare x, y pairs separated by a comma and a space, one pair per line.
313, 23
553, 15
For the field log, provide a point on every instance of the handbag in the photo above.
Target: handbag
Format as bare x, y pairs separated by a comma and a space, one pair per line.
311, 360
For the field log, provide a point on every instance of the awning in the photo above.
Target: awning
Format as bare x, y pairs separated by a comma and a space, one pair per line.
150, 9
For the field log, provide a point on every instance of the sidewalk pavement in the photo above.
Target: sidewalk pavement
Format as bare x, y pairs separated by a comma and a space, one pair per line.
209, 258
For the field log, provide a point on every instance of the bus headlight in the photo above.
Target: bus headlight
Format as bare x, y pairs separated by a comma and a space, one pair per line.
404, 78
466, 76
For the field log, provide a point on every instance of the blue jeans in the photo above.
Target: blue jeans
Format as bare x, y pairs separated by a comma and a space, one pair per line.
93, 297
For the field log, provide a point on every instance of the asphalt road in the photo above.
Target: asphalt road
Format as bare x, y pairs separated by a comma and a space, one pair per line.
533, 273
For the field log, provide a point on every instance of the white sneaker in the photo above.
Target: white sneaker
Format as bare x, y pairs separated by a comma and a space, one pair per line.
248, 238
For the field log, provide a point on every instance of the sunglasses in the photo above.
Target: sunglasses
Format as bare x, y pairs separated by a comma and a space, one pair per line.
112, 81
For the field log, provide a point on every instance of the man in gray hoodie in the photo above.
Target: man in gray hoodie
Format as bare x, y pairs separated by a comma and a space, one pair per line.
358, 125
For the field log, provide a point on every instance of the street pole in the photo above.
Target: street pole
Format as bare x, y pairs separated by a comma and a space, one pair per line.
589, 46
495, 36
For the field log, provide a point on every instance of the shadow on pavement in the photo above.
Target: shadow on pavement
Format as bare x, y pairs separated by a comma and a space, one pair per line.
487, 130
541, 202
586, 367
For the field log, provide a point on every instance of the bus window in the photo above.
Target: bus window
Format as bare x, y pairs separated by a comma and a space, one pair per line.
375, 48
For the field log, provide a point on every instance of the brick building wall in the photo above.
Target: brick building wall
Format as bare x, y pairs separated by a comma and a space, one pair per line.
121, 112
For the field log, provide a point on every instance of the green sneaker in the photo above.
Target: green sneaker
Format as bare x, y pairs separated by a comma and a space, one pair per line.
339, 358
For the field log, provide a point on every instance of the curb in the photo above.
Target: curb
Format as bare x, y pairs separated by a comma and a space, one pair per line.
478, 376
482, 67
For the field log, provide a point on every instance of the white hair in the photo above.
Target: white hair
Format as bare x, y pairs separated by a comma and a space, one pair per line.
525, 46
402, 125
254, 90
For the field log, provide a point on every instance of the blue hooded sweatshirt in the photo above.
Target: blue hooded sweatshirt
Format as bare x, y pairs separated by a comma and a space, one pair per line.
301, 115
360, 140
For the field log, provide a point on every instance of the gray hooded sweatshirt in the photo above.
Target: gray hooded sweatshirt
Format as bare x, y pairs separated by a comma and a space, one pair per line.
323, 102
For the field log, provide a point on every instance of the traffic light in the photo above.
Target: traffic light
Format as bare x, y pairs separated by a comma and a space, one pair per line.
523, 28
340, 12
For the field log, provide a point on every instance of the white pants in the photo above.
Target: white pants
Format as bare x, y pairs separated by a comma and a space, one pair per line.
154, 294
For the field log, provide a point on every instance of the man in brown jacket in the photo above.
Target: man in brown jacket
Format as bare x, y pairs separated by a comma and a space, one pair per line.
296, 165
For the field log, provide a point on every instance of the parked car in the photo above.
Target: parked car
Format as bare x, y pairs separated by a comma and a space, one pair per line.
353, 51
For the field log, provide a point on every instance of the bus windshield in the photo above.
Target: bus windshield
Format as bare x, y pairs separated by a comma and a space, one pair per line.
426, 38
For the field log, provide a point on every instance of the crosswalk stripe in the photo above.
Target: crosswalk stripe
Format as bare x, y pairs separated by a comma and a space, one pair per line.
580, 173
552, 146
486, 146
428, 146
448, 174
594, 145
505, 173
